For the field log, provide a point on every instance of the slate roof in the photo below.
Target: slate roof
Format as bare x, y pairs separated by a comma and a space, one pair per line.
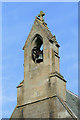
73, 102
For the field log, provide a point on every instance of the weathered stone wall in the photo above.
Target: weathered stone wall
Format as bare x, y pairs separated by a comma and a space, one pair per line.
17, 113
47, 108
20, 92
57, 86
36, 76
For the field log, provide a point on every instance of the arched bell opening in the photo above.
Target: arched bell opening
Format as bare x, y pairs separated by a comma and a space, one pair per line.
37, 50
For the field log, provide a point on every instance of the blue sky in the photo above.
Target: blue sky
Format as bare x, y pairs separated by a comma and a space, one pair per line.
17, 20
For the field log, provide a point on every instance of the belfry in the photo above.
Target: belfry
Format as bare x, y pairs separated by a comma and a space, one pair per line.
42, 93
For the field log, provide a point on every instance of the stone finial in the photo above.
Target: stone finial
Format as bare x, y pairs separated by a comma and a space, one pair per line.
41, 15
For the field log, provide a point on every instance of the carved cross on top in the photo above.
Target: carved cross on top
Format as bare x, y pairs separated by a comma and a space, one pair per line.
41, 15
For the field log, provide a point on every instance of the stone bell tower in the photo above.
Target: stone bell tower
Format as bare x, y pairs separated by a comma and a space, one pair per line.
42, 93
42, 79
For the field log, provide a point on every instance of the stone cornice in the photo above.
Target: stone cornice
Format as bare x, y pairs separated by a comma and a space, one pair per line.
57, 75
36, 101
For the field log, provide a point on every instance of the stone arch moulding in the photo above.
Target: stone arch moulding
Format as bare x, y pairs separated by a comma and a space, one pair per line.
35, 36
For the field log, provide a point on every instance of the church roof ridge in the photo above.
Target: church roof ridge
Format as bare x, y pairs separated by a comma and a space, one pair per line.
73, 94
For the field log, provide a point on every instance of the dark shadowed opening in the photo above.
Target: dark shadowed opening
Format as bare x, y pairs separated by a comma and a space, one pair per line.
37, 51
